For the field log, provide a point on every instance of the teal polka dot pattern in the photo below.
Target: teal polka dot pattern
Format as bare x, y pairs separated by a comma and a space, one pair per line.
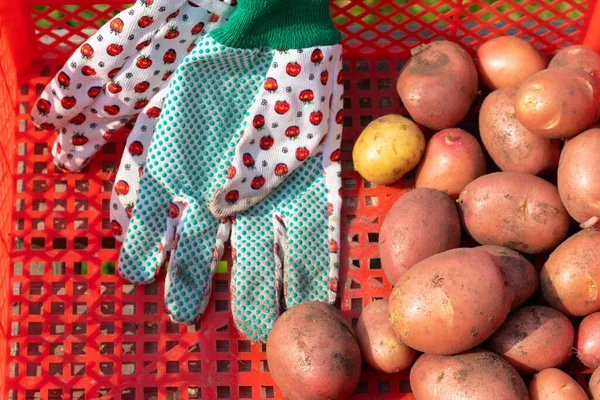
194, 139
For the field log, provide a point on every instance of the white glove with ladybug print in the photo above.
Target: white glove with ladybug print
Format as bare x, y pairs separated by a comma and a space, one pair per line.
118, 73
247, 147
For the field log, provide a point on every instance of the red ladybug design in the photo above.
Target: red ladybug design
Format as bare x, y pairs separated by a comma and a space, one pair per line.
292, 132
170, 56
48, 127
323, 139
43, 107
114, 49
68, 102
248, 160
108, 134
232, 197
317, 56
122, 188
141, 170
174, 211
333, 246
332, 285
141, 87
78, 119
293, 69
147, 3
324, 77
340, 78
114, 87
113, 72
231, 172
281, 169
129, 210
116, 228
198, 28
215, 18
94, 91
79, 139
258, 122
173, 15
258, 182
87, 51
116, 26
316, 117
88, 71
58, 148
302, 153
167, 75
143, 62
191, 47
172, 33
329, 209
271, 85
143, 45
145, 21
266, 142
140, 104
282, 107
136, 148
154, 112
339, 117
335, 156
306, 96
112, 110
63, 80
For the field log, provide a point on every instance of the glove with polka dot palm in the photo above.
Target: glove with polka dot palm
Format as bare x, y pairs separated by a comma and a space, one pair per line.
249, 133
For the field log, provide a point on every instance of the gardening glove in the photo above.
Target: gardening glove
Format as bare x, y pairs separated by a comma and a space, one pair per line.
119, 72
257, 101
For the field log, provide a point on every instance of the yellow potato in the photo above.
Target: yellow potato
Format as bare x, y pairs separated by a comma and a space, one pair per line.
388, 148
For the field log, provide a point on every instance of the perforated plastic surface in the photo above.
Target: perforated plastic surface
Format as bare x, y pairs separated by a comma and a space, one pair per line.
74, 329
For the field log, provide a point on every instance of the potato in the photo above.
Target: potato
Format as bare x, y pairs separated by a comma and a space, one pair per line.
313, 354
379, 345
474, 375
514, 210
577, 56
506, 61
421, 223
387, 149
570, 277
438, 84
594, 385
587, 341
450, 302
578, 178
534, 338
554, 384
558, 103
452, 159
512, 147
520, 274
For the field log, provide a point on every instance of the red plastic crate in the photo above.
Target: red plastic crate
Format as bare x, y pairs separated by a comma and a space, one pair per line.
72, 329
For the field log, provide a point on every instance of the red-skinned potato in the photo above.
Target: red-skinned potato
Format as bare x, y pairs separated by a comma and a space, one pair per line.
578, 178
506, 61
514, 210
452, 159
594, 385
380, 347
554, 384
579, 57
421, 223
512, 147
450, 302
570, 277
534, 338
448, 69
587, 341
474, 375
558, 103
520, 274
313, 354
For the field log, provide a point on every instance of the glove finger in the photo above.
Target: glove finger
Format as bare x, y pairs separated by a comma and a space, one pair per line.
256, 273
193, 261
97, 60
133, 162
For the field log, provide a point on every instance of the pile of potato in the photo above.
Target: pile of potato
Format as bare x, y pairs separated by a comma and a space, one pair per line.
486, 320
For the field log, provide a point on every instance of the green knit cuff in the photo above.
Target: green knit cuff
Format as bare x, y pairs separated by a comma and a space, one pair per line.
290, 24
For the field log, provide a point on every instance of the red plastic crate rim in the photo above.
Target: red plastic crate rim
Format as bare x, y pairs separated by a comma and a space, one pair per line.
70, 328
